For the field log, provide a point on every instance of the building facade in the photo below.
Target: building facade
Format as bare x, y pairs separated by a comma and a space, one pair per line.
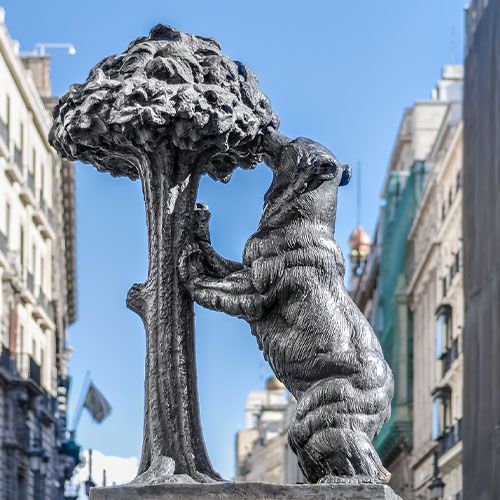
384, 290
37, 278
481, 227
435, 293
262, 450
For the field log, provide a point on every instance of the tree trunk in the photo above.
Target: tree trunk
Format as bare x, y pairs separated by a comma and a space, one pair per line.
173, 439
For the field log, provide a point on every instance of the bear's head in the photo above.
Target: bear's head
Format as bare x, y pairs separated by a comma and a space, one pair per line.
306, 178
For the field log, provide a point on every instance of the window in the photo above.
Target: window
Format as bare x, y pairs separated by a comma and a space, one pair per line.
21, 246
457, 261
450, 197
443, 211
21, 485
8, 119
443, 330
42, 264
7, 219
441, 411
21, 339
42, 181
37, 485
444, 289
33, 259
34, 164
458, 181
42, 361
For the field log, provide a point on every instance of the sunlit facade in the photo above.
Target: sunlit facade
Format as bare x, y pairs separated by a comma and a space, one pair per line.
37, 277
414, 259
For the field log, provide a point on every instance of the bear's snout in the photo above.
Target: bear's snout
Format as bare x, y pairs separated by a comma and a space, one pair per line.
346, 175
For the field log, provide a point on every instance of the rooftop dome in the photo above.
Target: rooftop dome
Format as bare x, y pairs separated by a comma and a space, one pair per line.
273, 384
359, 239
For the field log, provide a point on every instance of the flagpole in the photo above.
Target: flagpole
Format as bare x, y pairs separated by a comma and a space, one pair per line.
81, 401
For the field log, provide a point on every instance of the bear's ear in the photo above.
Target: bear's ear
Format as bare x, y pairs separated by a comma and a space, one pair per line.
346, 175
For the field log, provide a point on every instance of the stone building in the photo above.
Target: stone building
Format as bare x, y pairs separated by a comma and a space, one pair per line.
481, 227
381, 290
37, 278
262, 451
435, 293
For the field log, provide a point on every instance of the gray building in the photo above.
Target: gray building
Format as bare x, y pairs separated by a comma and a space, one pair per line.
481, 228
37, 284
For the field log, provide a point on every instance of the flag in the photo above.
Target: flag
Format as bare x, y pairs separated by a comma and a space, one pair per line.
97, 404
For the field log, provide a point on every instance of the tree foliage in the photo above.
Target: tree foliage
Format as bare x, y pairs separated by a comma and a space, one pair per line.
170, 89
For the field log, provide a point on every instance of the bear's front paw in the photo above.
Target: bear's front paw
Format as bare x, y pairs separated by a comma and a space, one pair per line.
190, 266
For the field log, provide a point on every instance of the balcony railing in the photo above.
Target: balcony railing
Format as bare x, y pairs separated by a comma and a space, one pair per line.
4, 132
28, 368
3, 243
49, 402
21, 365
450, 355
450, 437
5, 359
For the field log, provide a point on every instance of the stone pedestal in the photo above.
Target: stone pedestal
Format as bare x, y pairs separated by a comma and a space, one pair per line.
246, 491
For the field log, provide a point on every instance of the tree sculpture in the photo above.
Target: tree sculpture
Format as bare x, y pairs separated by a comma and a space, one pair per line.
169, 109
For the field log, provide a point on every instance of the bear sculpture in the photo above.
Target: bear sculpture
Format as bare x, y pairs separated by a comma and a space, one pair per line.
290, 289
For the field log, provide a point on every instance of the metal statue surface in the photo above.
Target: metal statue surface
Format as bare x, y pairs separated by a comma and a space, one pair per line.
168, 110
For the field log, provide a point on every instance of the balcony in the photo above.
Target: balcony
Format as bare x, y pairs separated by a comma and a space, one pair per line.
450, 355
28, 368
27, 286
450, 437
6, 362
44, 311
14, 169
27, 193
43, 217
49, 405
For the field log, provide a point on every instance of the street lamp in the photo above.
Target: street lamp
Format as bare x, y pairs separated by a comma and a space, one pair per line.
437, 486
89, 483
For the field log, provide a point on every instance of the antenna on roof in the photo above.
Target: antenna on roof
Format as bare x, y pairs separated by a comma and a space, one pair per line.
358, 214
42, 46
453, 36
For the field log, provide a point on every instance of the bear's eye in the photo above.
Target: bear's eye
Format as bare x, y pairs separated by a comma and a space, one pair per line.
326, 167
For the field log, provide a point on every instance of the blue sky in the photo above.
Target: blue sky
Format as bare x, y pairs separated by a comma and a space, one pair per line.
336, 71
